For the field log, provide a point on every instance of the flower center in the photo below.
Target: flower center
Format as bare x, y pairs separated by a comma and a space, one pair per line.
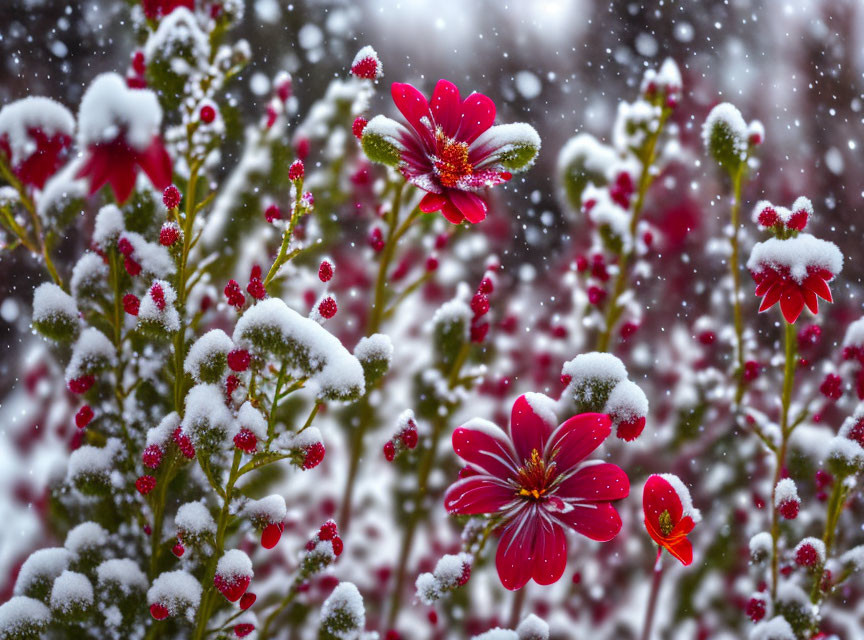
451, 160
666, 525
534, 477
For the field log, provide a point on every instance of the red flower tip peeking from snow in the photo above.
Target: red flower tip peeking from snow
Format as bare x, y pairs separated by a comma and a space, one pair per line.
366, 64
669, 515
756, 608
246, 441
81, 384
152, 456
794, 272
169, 234
313, 455
243, 629
450, 148
630, 429
119, 128
810, 552
247, 600
358, 126
84, 416
184, 444
233, 574
178, 550
537, 481
786, 499
271, 534
159, 611
239, 359
35, 137
155, 9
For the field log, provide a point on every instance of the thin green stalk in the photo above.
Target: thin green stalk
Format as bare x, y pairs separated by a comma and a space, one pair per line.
735, 268
282, 256
780, 454
613, 310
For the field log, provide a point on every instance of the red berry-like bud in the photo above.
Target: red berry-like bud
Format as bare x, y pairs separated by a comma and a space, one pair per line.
125, 247
246, 441
327, 307
751, 370
376, 239
596, 295
243, 629
486, 286
83, 417
797, 221
480, 304
367, 68
789, 509
325, 271
145, 484
313, 455
465, 575
566, 379
359, 125
207, 114
132, 267
479, 332
431, 263
152, 456
256, 289
158, 611
389, 451
768, 217
81, 384
629, 430
178, 550
832, 387
707, 337
139, 63
158, 296
171, 197
409, 437
628, 329
392, 634
338, 546
272, 213
169, 234
756, 609
131, 304
184, 443
239, 359
328, 530
296, 171
231, 384
806, 555
232, 587
271, 534
247, 600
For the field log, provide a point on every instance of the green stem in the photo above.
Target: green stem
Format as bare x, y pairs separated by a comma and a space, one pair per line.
282, 256
613, 310
735, 269
780, 454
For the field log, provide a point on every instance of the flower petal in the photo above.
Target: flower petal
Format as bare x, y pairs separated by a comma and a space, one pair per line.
550, 552
156, 164
452, 213
478, 114
446, 107
477, 494
486, 447
791, 303
574, 440
818, 286
514, 558
413, 106
121, 177
470, 205
598, 481
432, 202
681, 549
597, 521
772, 296
528, 429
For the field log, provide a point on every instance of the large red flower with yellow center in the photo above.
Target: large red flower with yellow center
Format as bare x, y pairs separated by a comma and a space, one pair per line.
536, 480
450, 149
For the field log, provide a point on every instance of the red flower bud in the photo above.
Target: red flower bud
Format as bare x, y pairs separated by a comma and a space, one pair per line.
83, 417
238, 359
325, 271
145, 484
171, 197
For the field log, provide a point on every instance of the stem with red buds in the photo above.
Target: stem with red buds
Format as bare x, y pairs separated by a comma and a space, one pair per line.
655, 592
780, 453
613, 309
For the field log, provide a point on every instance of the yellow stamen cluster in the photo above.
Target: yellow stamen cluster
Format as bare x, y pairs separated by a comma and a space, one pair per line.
451, 162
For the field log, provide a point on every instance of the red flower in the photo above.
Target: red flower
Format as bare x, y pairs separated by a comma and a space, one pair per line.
794, 272
450, 150
35, 136
120, 128
536, 480
669, 515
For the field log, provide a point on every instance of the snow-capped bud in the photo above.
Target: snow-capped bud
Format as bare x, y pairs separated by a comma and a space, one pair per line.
592, 379
296, 171
169, 234
328, 530
358, 126
325, 271
725, 136
343, 614
810, 552
81, 384
532, 628
313, 454
786, 499
174, 593
207, 114
171, 197
83, 416
247, 600
366, 64
375, 354
757, 607
152, 456
845, 456
233, 574
283, 84
55, 314
159, 611
381, 141
755, 133
246, 441
451, 572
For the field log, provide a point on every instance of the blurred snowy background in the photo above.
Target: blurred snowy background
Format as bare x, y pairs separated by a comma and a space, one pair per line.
561, 66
